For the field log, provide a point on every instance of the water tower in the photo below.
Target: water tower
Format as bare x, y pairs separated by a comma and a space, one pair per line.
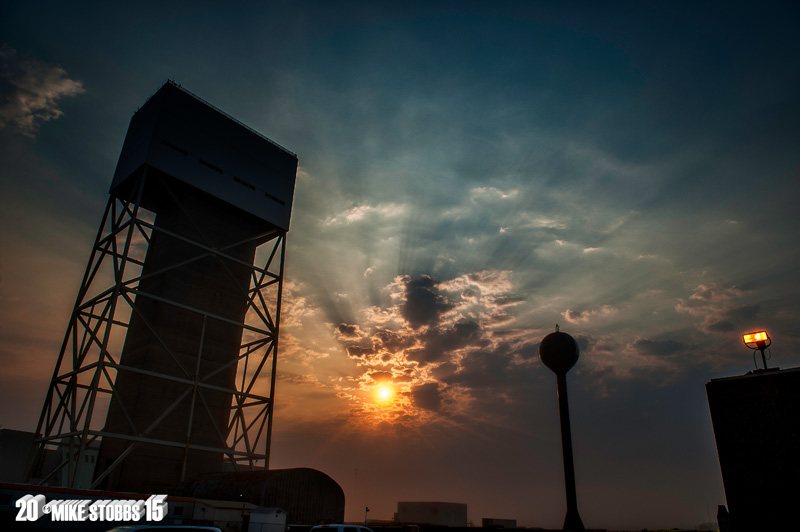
167, 369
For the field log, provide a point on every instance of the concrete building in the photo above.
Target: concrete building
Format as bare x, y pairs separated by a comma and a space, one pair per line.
14, 448
432, 513
267, 520
306, 495
489, 522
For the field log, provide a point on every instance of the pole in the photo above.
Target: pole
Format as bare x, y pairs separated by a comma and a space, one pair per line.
572, 521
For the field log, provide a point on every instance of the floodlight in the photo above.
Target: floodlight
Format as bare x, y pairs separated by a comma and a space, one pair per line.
758, 340
755, 338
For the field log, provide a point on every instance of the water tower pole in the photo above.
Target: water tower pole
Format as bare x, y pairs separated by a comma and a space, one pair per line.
559, 352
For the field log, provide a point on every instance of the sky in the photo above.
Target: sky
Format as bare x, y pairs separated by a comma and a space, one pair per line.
469, 177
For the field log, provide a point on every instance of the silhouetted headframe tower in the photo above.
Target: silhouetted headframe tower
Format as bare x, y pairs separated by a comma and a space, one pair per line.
174, 333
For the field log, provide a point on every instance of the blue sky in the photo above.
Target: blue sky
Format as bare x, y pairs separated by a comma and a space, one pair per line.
469, 177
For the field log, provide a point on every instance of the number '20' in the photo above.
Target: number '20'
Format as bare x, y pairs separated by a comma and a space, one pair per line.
30, 507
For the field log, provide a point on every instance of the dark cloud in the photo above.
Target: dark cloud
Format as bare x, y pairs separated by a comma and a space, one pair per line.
427, 396
443, 371
380, 376
731, 319
360, 352
742, 313
437, 344
715, 292
584, 342
717, 308
348, 331
392, 341
483, 368
529, 350
720, 326
423, 304
657, 348
461, 347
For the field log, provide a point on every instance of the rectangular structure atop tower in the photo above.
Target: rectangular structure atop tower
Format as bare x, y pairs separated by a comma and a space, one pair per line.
189, 139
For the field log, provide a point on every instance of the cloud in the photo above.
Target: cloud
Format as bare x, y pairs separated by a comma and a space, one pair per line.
361, 212
444, 344
732, 318
423, 304
609, 360
485, 296
546, 223
427, 396
347, 331
715, 292
493, 193
437, 345
360, 352
658, 348
487, 282
294, 378
716, 308
30, 90
575, 316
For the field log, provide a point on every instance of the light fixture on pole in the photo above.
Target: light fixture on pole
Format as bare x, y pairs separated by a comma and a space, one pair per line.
758, 341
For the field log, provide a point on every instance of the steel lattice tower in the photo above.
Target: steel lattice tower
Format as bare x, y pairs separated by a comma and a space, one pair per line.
168, 366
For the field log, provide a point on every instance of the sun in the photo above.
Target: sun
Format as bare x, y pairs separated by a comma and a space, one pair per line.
384, 393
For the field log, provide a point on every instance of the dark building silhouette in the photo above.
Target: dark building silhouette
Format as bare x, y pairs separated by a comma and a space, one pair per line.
13, 445
492, 522
308, 496
179, 337
450, 514
756, 420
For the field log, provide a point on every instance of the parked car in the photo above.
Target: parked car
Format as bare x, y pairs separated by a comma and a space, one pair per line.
340, 528
165, 528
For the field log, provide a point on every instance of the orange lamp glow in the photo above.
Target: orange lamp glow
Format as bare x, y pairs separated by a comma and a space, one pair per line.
758, 341
755, 338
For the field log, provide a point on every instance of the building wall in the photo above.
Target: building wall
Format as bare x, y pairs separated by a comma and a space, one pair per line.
306, 495
488, 522
757, 429
14, 448
432, 513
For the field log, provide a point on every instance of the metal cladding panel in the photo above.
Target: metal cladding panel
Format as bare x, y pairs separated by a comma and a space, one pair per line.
190, 140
